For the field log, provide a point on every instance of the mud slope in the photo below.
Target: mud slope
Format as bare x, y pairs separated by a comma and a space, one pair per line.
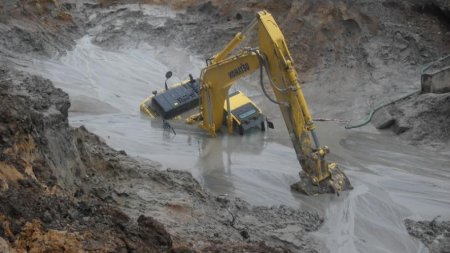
420, 118
64, 189
43, 180
61, 188
36, 28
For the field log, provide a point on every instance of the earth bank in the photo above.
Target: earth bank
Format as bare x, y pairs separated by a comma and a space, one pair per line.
349, 57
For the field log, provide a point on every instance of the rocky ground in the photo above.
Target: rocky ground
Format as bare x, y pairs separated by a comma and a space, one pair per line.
44, 204
434, 234
65, 189
420, 118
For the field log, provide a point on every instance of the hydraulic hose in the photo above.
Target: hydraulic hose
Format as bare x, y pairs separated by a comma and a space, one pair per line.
261, 80
369, 117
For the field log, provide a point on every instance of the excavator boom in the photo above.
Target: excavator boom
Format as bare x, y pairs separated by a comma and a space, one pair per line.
272, 54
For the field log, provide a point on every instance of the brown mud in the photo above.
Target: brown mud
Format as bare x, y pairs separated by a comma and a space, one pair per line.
44, 203
64, 189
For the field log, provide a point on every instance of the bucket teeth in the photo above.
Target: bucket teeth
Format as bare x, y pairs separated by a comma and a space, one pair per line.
336, 183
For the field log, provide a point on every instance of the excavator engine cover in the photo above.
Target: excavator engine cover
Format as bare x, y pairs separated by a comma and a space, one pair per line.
176, 100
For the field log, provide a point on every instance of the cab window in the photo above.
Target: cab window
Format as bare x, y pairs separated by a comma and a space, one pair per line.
244, 112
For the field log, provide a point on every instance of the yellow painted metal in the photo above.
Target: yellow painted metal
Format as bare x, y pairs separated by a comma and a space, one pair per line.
145, 108
228, 48
297, 117
236, 101
229, 117
217, 78
193, 118
238, 38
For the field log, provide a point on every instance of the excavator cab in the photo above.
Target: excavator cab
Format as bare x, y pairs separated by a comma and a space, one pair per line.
244, 113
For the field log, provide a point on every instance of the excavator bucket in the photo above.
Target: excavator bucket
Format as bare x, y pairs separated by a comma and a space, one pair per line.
335, 183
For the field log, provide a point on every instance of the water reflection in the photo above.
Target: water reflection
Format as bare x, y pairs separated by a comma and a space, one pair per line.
216, 160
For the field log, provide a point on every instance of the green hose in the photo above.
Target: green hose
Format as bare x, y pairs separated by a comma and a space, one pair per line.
369, 118
431, 64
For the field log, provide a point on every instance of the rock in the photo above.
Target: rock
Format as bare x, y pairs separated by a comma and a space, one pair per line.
153, 231
382, 119
434, 234
420, 118
4, 246
182, 249
223, 199
47, 217
401, 126
244, 234
436, 77
73, 214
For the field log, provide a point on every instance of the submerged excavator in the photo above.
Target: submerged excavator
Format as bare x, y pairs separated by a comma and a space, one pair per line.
273, 58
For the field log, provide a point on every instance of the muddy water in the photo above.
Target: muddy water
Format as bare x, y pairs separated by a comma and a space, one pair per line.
392, 180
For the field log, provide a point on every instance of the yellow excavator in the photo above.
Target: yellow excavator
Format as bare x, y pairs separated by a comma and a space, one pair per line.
272, 57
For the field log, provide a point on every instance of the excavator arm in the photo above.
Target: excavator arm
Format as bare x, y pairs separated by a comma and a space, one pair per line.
318, 176
216, 80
